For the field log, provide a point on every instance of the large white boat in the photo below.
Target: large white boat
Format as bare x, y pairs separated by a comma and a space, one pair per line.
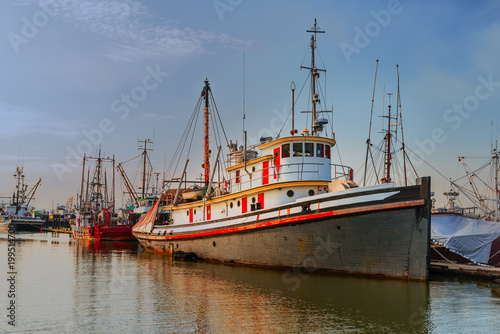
286, 204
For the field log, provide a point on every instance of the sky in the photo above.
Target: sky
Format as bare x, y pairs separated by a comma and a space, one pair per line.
76, 75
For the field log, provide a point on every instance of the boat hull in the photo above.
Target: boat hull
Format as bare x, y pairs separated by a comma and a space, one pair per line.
27, 225
387, 243
104, 232
389, 238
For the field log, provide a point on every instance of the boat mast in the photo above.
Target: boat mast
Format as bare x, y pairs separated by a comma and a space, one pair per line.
144, 159
19, 188
495, 156
206, 164
316, 127
387, 165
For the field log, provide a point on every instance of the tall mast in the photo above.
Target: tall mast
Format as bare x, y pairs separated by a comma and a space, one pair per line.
388, 146
206, 164
495, 156
314, 73
81, 187
145, 150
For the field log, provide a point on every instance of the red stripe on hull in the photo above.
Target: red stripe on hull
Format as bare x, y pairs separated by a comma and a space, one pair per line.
333, 213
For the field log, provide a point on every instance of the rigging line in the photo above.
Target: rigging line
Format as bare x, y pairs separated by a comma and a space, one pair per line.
371, 117
183, 138
408, 159
194, 132
124, 162
305, 54
182, 144
218, 116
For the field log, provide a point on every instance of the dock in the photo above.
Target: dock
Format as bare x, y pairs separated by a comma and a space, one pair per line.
56, 230
471, 270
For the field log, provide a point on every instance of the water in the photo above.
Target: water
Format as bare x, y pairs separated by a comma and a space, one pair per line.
72, 286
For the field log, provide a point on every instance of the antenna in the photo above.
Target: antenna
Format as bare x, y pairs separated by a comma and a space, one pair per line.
244, 116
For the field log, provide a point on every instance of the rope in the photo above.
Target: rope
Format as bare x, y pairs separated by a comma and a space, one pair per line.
447, 259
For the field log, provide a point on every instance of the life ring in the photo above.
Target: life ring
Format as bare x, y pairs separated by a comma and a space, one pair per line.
225, 185
25, 215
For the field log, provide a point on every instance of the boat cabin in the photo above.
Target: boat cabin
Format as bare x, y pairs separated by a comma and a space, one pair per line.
284, 159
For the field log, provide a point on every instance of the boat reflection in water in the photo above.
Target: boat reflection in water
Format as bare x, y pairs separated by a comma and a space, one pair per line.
216, 298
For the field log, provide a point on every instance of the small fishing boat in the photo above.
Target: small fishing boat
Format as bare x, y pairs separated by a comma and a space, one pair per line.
97, 218
17, 212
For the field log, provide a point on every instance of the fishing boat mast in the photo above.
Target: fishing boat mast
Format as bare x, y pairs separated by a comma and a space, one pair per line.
388, 155
497, 192
206, 164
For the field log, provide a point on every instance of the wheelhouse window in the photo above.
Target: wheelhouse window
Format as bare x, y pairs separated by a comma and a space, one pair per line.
297, 149
319, 150
309, 150
285, 150
237, 176
327, 151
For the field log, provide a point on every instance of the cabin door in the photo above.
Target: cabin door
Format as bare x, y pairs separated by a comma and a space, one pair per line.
265, 172
276, 155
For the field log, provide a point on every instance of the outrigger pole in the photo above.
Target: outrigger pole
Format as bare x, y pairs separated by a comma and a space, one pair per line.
368, 141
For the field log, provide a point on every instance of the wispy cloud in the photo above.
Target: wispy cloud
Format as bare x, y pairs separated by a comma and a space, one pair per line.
157, 116
23, 121
127, 24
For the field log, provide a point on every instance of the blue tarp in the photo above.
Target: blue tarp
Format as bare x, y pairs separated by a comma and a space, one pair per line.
469, 237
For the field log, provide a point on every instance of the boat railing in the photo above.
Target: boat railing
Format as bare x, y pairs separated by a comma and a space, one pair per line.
286, 172
342, 172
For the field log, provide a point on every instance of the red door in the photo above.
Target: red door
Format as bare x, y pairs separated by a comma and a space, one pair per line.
276, 154
260, 199
244, 205
190, 215
265, 172
209, 212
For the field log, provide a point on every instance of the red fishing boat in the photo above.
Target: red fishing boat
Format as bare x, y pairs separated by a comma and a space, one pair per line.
97, 218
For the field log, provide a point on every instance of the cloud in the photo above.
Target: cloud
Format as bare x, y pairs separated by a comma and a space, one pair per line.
158, 116
20, 121
127, 24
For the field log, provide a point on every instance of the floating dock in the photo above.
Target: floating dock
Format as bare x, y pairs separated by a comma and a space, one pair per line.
471, 270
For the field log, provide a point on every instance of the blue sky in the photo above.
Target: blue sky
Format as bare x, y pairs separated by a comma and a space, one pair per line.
66, 65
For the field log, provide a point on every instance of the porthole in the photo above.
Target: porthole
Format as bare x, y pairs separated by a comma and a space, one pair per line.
194, 211
253, 169
187, 212
311, 192
231, 205
290, 193
238, 204
253, 199
213, 243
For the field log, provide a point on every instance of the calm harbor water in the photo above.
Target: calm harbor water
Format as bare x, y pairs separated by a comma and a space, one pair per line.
71, 286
